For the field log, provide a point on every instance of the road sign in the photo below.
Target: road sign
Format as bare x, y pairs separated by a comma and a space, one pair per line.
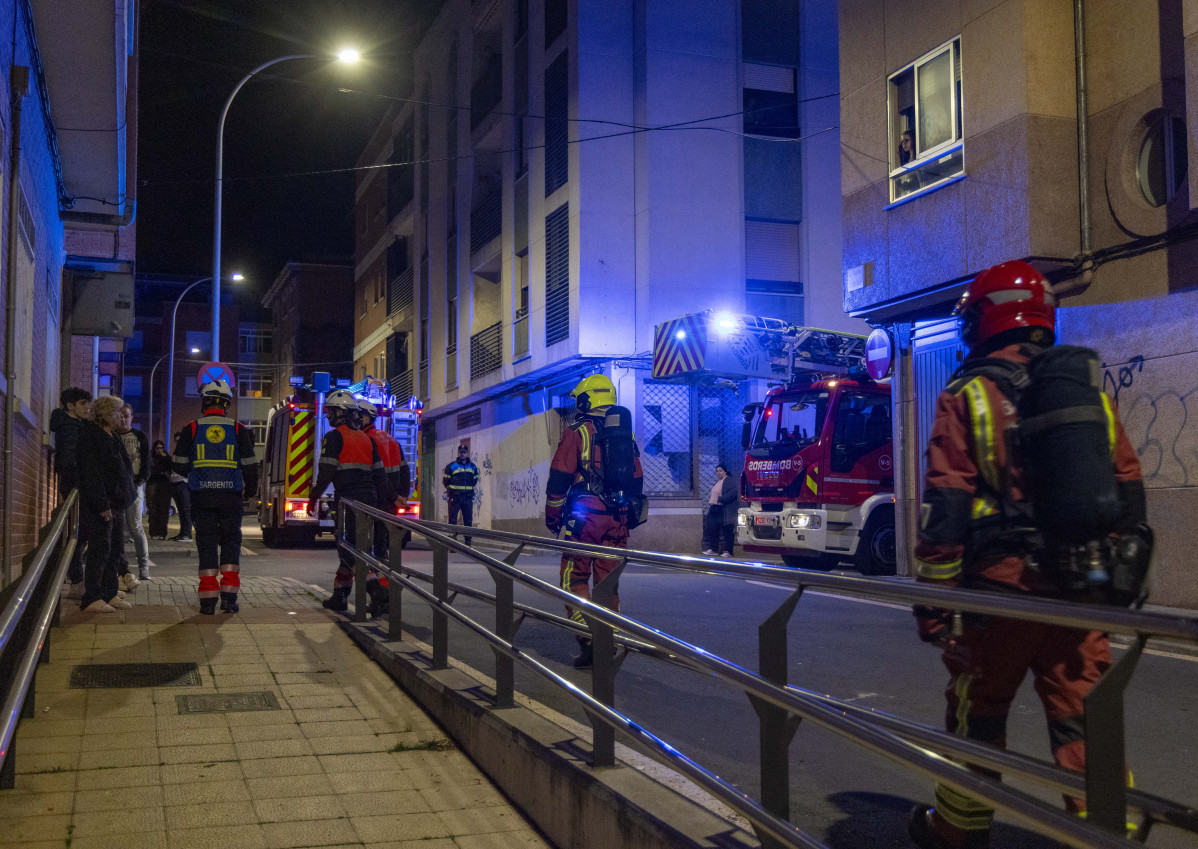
212, 372
879, 354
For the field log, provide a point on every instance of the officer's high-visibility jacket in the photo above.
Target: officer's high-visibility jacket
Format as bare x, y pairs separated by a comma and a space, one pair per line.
350, 461
394, 468
216, 454
460, 478
577, 466
969, 468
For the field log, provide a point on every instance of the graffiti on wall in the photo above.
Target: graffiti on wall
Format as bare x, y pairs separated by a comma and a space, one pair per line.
524, 487
1159, 410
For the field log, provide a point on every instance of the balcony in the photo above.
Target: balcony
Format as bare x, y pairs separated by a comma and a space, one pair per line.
520, 332
487, 91
486, 353
486, 222
401, 385
400, 291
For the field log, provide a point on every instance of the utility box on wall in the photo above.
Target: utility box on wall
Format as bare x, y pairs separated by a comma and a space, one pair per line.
103, 303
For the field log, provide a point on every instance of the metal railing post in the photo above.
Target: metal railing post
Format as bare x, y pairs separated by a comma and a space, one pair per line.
363, 542
505, 629
8, 765
440, 618
1106, 757
395, 588
776, 726
604, 668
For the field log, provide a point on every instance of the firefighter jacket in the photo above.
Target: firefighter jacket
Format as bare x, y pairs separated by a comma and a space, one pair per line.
216, 454
350, 461
577, 467
973, 492
394, 468
460, 478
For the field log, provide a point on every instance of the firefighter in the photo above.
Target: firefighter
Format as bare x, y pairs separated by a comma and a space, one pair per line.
977, 531
577, 498
460, 478
216, 454
393, 496
350, 461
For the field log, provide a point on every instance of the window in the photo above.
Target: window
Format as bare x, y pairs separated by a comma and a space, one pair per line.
255, 386
258, 429
795, 418
254, 341
1162, 163
26, 276
925, 122
770, 101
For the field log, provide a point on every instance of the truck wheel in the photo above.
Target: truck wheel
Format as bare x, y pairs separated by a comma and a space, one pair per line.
876, 550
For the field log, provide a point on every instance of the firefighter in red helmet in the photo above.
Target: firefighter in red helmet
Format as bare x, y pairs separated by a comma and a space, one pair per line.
979, 528
593, 491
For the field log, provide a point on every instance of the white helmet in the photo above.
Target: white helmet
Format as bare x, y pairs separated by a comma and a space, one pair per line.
342, 400
365, 406
217, 389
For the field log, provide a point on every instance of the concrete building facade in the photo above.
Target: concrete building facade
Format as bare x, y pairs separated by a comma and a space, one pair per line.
574, 184
989, 92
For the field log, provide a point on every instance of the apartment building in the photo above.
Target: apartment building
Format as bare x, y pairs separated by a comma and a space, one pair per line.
567, 176
69, 127
1018, 150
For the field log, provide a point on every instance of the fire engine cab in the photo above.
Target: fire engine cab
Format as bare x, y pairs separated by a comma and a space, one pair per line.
817, 486
294, 429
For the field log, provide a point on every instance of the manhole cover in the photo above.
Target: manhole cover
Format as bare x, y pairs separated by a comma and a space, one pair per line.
111, 676
227, 702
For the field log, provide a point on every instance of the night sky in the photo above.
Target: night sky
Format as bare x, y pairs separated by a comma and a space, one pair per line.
192, 55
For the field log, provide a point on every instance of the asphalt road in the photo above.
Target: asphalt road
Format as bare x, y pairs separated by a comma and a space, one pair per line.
866, 652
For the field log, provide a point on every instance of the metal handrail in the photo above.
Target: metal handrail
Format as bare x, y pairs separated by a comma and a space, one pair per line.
1049, 820
18, 700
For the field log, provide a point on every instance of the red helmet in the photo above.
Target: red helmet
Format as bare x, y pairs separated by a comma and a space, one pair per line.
1003, 297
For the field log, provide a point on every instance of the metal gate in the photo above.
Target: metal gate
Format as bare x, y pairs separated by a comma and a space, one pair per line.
937, 351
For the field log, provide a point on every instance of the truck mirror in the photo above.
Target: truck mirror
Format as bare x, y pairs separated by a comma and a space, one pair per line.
744, 435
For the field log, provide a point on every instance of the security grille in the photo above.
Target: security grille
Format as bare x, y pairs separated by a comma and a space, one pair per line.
114, 676
667, 431
470, 418
937, 352
486, 222
720, 424
486, 354
399, 291
557, 127
401, 385
557, 275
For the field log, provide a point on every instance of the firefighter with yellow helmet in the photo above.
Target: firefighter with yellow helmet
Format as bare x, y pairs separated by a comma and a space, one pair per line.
594, 490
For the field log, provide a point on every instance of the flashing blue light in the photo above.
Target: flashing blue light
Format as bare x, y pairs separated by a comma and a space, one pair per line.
725, 322
681, 334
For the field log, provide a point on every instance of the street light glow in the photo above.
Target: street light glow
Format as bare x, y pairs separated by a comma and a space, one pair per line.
238, 276
195, 350
349, 56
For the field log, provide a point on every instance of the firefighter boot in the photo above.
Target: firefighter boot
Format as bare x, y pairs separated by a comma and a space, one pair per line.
338, 601
586, 656
930, 831
208, 606
380, 599
228, 603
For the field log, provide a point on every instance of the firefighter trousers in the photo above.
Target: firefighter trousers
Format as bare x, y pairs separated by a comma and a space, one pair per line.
217, 518
987, 663
590, 522
343, 580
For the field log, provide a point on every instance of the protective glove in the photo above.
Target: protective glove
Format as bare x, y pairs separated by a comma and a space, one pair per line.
935, 624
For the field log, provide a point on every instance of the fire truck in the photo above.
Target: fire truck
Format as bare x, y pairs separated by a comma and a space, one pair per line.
818, 474
294, 429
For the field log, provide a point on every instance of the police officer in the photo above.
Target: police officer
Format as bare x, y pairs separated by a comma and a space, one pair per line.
393, 496
574, 499
350, 461
216, 454
974, 516
460, 478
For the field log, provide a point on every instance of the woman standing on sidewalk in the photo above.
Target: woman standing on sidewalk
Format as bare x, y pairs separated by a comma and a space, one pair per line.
105, 489
158, 490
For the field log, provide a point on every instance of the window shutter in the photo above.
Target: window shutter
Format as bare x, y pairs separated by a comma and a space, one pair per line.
557, 275
771, 251
557, 135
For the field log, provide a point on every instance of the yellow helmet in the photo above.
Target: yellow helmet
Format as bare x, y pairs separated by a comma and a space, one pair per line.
592, 392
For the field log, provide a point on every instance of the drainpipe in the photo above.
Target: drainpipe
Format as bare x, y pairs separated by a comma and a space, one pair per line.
18, 86
1086, 265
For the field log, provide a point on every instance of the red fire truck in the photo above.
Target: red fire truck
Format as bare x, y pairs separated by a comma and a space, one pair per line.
817, 485
294, 429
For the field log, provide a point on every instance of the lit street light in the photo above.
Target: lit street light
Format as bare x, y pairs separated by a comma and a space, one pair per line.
347, 56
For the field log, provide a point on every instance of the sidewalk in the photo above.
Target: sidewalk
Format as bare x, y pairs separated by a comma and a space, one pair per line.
292, 737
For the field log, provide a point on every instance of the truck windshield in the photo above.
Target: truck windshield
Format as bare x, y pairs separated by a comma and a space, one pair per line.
797, 418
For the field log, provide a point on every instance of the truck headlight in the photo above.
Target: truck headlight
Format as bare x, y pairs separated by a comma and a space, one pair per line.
742, 519
802, 521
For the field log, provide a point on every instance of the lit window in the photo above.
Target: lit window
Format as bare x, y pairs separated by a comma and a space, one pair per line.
924, 102
255, 386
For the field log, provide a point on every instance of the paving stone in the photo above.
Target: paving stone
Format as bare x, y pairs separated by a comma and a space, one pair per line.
198, 754
218, 837
385, 802
126, 776
193, 736
280, 767
290, 786
253, 749
198, 816
291, 809
482, 820
251, 733
183, 773
118, 822
118, 798
502, 840
455, 797
284, 835
52, 827
140, 840
208, 793
23, 803
370, 781
378, 829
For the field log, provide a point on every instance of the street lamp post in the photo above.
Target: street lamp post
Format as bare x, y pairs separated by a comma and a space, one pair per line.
346, 56
150, 414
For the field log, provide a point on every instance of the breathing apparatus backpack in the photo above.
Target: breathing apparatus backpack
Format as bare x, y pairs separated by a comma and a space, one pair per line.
621, 490
1064, 440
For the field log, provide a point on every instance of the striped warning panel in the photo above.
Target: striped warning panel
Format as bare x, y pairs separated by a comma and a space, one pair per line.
300, 458
679, 346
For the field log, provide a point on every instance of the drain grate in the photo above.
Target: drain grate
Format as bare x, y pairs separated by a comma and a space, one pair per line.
227, 702
115, 676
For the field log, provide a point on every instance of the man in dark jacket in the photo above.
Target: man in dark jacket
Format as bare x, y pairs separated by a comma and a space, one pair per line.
65, 424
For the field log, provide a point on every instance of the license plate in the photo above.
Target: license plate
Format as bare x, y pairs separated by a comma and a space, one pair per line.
763, 520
